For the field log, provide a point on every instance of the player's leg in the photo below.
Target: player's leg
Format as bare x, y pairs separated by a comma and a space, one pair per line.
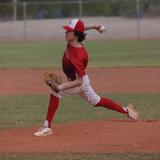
54, 103
89, 94
110, 104
92, 97
129, 110
98, 101
52, 108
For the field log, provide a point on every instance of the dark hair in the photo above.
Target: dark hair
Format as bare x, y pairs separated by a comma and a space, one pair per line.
81, 35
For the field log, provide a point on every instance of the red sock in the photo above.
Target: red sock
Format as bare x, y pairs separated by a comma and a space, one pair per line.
52, 107
107, 103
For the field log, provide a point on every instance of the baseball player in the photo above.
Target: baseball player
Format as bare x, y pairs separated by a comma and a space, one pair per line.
74, 63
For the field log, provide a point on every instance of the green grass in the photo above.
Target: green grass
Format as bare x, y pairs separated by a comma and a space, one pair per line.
102, 53
27, 110
113, 156
30, 55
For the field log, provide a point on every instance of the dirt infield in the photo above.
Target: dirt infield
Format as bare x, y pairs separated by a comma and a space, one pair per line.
109, 80
102, 136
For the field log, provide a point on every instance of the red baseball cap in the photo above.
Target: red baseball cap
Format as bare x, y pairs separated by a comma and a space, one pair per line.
75, 25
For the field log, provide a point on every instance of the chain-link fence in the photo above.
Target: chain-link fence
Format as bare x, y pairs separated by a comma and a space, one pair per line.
17, 19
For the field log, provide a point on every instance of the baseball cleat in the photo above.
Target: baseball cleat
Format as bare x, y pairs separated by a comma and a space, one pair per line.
43, 131
132, 113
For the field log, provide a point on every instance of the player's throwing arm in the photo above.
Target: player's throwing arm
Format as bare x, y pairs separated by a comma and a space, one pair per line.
99, 28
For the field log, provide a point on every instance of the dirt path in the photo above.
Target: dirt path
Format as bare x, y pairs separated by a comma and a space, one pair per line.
110, 80
102, 136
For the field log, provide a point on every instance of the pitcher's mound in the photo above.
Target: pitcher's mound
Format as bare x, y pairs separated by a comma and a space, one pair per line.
102, 136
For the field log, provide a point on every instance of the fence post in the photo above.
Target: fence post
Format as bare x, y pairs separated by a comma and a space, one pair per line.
14, 10
138, 14
80, 8
24, 19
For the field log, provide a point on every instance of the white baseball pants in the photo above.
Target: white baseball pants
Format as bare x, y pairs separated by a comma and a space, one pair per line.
85, 91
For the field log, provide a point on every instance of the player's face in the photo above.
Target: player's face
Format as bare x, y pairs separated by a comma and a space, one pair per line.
69, 36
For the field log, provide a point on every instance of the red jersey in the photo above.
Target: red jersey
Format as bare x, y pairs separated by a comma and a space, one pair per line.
75, 60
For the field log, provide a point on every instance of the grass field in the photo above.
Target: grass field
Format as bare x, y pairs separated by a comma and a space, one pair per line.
15, 109
113, 156
18, 111
106, 53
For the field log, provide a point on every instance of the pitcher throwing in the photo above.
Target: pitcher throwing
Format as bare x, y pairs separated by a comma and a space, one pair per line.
74, 63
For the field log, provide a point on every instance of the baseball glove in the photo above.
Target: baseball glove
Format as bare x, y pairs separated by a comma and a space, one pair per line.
52, 80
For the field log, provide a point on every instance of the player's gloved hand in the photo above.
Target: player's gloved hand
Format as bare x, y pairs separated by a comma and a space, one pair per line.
53, 81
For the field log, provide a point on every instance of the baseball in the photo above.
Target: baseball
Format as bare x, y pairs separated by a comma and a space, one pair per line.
102, 29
